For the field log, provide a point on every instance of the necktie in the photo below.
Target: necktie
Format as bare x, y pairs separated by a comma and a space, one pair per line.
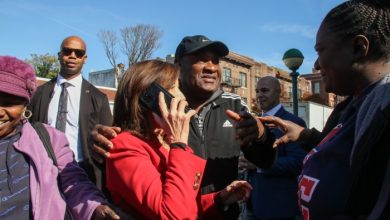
62, 108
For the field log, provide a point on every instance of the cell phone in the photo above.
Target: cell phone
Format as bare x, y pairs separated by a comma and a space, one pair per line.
149, 98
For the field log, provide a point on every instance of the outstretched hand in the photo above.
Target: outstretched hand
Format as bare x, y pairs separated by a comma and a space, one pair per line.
248, 128
235, 192
100, 136
291, 130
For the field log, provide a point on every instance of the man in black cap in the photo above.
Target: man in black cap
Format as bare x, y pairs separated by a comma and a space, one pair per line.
212, 135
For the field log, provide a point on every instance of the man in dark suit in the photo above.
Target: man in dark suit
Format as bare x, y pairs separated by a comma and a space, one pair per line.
73, 105
274, 194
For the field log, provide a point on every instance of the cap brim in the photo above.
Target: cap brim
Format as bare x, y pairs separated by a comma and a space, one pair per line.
217, 47
10, 89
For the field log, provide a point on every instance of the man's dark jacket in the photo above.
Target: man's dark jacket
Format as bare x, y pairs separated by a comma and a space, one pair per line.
274, 193
217, 144
94, 109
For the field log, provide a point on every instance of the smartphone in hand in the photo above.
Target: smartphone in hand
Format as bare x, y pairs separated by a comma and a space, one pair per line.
149, 98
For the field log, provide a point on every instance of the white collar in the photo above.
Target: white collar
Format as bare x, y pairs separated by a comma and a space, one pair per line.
273, 110
76, 81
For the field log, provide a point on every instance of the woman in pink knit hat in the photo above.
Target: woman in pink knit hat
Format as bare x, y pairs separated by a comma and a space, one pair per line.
28, 176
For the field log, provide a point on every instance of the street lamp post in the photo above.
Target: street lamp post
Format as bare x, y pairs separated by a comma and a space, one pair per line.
293, 59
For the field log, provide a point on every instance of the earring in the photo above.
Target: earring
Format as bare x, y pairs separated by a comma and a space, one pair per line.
27, 114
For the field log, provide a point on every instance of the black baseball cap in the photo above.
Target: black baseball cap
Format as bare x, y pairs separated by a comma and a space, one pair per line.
191, 44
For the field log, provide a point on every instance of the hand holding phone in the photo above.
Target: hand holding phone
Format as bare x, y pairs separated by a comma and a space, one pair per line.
174, 123
149, 98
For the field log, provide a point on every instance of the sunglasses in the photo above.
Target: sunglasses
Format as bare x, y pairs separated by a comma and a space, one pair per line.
68, 51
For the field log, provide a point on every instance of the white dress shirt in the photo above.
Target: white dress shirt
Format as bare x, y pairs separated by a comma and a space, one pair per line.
272, 111
72, 117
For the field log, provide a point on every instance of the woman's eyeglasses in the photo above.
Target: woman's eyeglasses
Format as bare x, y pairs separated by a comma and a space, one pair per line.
68, 51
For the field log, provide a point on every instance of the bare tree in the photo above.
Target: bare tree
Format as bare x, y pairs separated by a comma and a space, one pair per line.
139, 42
109, 41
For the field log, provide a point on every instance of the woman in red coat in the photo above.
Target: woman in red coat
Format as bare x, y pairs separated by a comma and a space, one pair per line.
152, 173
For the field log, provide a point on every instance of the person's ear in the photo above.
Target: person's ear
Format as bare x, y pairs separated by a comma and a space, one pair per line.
279, 91
59, 55
85, 59
360, 47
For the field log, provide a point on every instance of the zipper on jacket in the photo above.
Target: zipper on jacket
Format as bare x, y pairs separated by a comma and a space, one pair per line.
205, 121
204, 117
200, 135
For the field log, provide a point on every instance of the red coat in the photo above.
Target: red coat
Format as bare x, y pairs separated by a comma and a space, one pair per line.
146, 180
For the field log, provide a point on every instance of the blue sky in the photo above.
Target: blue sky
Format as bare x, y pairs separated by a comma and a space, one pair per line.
260, 29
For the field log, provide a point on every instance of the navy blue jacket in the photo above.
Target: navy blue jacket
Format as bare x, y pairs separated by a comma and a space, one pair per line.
275, 189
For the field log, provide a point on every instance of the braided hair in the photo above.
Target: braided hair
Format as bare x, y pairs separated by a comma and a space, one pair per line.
370, 18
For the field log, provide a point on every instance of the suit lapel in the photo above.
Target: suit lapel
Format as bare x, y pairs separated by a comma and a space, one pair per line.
280, 112
47, 95
84, 99
85, 106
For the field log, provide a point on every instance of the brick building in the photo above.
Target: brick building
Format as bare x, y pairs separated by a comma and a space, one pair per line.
240, 75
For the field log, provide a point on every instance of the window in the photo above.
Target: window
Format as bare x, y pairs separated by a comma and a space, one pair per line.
226, 75
316, 88
242, 79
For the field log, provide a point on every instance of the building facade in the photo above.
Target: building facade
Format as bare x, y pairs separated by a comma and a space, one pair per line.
107, 78
240, 75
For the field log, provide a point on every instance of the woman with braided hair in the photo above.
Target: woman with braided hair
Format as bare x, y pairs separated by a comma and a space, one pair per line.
346, 173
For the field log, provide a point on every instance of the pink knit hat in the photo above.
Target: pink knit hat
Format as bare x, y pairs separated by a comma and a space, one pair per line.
17, 77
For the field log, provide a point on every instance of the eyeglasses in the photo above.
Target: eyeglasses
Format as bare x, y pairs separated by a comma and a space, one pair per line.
68, 51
